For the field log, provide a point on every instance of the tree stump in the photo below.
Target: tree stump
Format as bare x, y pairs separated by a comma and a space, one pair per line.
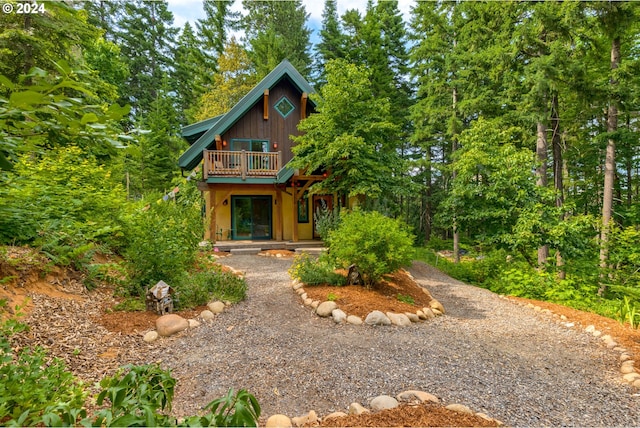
354, 277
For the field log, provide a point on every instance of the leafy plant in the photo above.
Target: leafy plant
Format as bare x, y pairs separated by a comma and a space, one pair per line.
326, 220
239, 410
332, 297
406, 299
628, 313
318, 271
201, 287
376, 244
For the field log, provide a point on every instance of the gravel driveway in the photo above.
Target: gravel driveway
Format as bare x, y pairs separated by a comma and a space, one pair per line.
487, 353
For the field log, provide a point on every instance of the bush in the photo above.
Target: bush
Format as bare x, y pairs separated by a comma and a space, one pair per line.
200, 288
315, 271
162, 243
376, 244
326, 220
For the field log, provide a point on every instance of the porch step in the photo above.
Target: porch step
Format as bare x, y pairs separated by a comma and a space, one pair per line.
244, 251
311, 250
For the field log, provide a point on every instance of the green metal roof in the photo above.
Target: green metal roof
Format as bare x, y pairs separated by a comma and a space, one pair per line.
192, 157
189, 132
285, 173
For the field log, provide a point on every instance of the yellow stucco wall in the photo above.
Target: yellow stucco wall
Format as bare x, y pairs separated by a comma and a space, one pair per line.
223, 212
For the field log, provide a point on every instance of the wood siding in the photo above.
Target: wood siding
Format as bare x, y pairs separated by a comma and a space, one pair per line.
276, 129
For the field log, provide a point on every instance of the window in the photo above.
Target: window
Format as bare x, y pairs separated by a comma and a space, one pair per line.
284, 107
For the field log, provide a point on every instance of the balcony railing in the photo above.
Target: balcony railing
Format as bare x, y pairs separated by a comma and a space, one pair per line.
225, 163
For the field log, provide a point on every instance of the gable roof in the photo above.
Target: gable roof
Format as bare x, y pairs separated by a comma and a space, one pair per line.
220, 124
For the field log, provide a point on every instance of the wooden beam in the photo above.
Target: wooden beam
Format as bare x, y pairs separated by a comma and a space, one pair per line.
295, 213
279, 219
303, 106
266, 104
210, 231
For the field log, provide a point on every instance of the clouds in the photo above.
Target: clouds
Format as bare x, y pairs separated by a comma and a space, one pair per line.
191, 10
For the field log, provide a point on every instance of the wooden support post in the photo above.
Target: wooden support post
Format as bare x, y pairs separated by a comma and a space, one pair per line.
210, 231
279, 220
295, 211
303, 105
266, 104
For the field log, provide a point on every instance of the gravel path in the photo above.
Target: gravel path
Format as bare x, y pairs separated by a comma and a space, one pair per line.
487, 353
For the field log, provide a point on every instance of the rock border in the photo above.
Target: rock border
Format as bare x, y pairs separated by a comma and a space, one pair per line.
627, 367
330, 309
381, 402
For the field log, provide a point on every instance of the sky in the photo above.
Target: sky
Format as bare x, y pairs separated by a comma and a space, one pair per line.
191, 10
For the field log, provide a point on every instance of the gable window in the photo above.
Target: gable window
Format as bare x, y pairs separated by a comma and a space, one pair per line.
284, 107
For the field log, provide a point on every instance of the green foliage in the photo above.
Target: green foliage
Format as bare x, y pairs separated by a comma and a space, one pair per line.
349, 136
318, 271
376, 244
326, 220
629, 313
332, 297
135, 395
162, 240
239, 410
405, 299
200, 288
31, 384
131, 304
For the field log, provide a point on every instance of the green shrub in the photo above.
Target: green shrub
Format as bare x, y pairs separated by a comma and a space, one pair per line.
318, 271
200, 288
31, 383
162, 243
406, 299
376, 244
326, 220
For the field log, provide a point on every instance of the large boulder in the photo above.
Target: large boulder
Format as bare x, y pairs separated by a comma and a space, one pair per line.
377, 318
216, 307
278, 421
326, 308
383, 402
170, 324
398, 319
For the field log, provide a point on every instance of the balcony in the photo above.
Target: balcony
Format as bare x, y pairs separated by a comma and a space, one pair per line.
243, 164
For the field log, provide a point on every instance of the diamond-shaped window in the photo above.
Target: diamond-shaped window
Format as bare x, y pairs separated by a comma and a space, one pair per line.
284, 107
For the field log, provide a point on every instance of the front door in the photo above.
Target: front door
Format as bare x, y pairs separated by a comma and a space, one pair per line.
251, 217
320, 203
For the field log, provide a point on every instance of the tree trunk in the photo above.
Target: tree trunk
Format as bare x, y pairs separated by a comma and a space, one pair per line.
609, 166
558, 184
541, 175
454, 147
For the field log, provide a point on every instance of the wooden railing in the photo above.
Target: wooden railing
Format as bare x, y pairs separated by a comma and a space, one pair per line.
242, 164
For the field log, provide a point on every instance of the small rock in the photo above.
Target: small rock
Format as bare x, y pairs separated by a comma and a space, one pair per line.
338, 316
216, 307
383, 402
304, 296
207, 315
459, 408
412, 396
625, 357
484, 416
436, 312
355, 320
400, 320
637, 383
428, 313
412, 317
597, 333
606, 338
421, 315
166, 325
150, 336
357, 409
563, 318
335, 415
296, 285
300, 291
631, 377
628, 362
377, 318
193, 323
278, 421
590, 329
619, 349
308, 419
570, 324
434, 304
307, 302
325, 308
537, 308
611, 344
627, 369
315, 304
547, 312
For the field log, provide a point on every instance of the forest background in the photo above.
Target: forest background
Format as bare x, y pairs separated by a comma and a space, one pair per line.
503, 132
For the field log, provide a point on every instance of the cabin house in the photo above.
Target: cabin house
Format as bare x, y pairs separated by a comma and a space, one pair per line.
250, 191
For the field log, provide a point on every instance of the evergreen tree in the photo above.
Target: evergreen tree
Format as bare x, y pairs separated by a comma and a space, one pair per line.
233, 80
188, 74
146, 37
331, 43
275, 31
